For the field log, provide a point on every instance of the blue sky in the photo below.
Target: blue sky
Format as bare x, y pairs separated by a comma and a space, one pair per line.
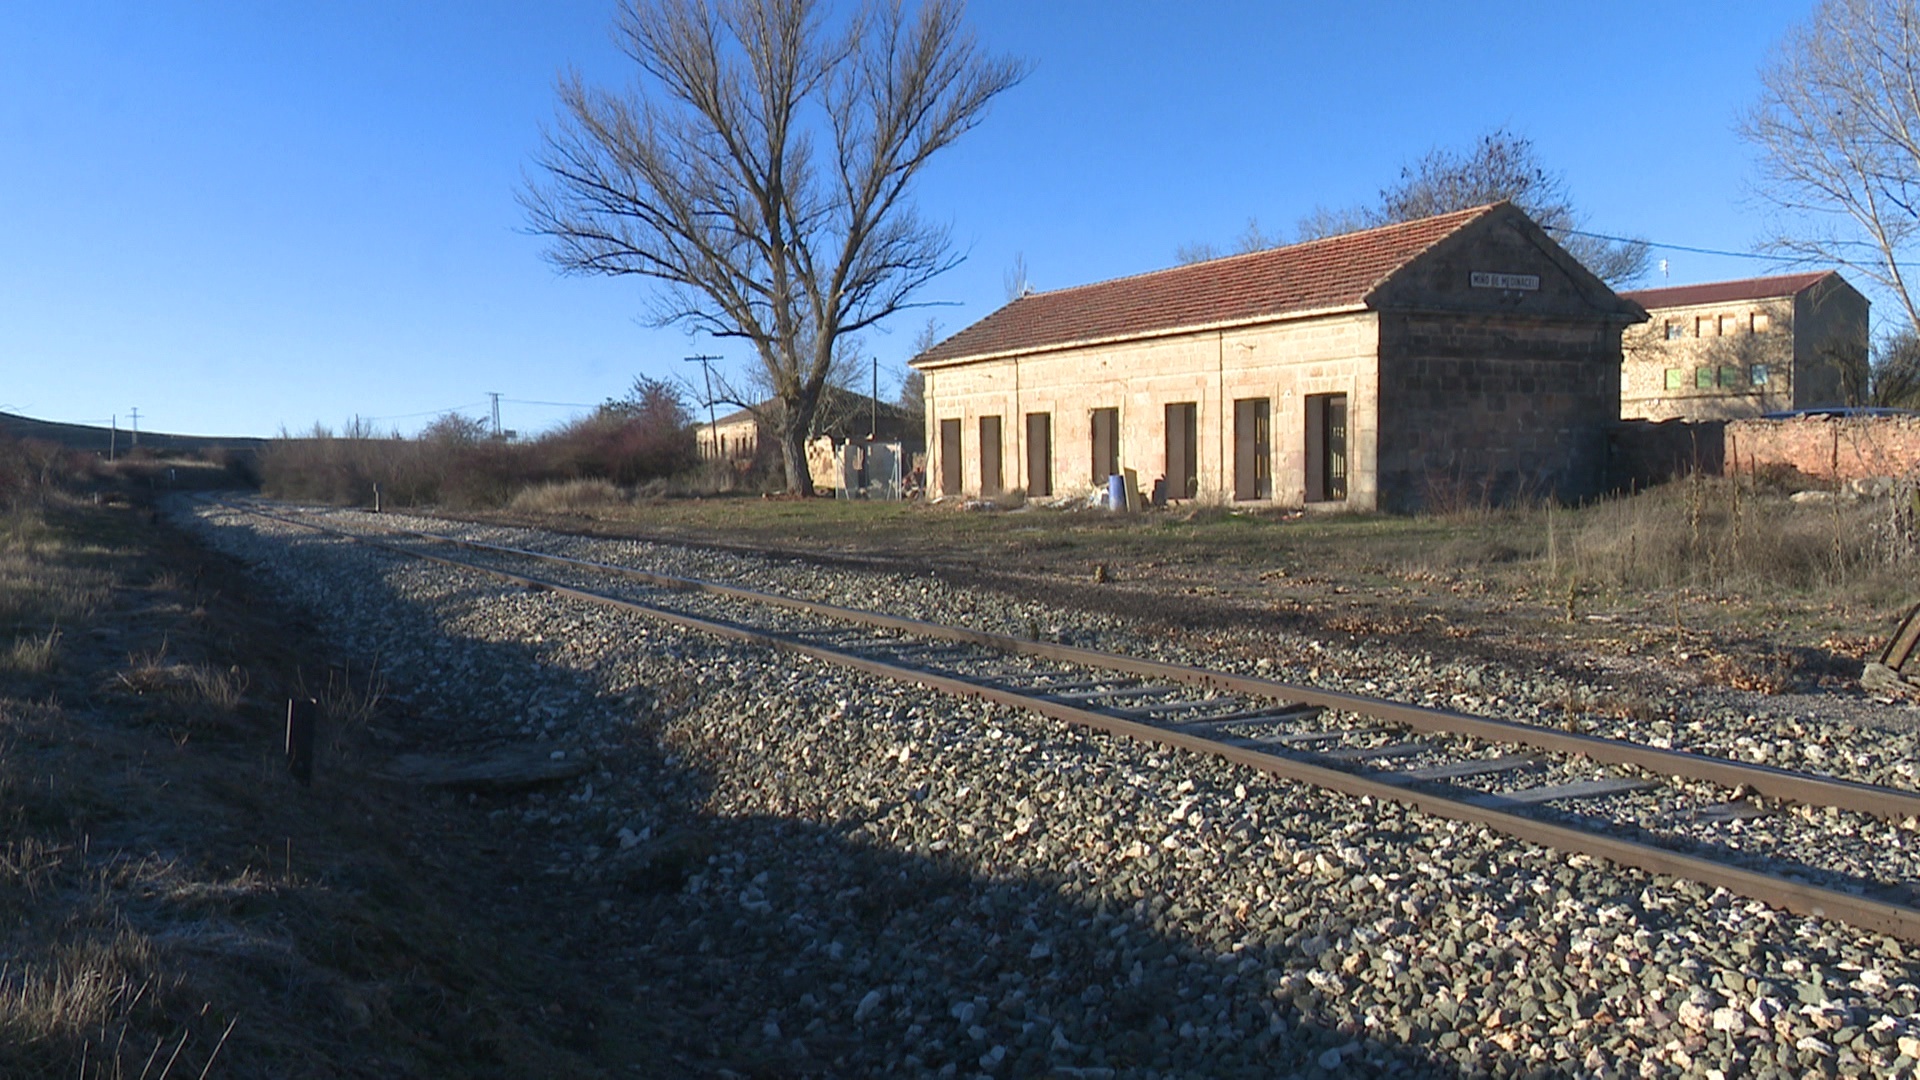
238, 216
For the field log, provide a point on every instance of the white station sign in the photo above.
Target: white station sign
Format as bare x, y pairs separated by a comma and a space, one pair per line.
1480, 279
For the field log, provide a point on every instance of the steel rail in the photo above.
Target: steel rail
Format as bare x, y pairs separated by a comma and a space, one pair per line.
1797, 897
1771, 781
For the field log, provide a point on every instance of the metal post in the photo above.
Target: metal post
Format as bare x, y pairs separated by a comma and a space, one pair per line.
113, 438
301, 720
706, 374
136, 427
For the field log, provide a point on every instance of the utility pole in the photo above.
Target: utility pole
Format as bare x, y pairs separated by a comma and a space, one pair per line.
113, 438
495, 395
136, 427
706, 373
873, 431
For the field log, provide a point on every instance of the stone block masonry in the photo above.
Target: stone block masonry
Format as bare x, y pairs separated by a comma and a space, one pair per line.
1839, 448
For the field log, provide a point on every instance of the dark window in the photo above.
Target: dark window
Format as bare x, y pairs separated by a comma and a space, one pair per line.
1039, 454
949, 457
1183, 445
990, 481
1252, 450
1106, 445
1326, 447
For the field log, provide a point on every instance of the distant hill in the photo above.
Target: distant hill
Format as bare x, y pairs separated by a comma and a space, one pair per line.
97, 439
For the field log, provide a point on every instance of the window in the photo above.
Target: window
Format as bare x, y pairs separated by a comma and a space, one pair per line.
1703, 378
1702, 326
1183, 450
1676, 378
1252, 450
1674, 331
1726, 325
1729, 378
1759, 323
1039, 454
1106, 445
1326, 447
1757, 374
949, 457
991, 482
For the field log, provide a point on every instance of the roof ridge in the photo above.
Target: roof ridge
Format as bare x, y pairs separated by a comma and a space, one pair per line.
1810, 275
1465, 215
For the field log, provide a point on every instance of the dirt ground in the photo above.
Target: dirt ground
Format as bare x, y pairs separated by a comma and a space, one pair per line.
175, 899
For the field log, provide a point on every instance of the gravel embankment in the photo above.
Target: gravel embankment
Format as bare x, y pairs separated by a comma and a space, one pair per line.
862, 878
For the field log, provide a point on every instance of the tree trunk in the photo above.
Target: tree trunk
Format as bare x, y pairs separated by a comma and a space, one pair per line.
793, 449
797, 422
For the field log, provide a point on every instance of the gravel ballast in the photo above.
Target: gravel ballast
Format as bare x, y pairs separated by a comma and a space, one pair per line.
864, 878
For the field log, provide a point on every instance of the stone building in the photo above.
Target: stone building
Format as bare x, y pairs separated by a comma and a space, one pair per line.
745, 442
1729, 350
1465, 356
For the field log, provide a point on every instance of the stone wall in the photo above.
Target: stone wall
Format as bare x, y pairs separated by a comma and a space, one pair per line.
1648, 452
1842, 448
1758, 334
1281, 362
1487, 409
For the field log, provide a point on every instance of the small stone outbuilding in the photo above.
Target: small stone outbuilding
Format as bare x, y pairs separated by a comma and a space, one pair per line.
1465, 357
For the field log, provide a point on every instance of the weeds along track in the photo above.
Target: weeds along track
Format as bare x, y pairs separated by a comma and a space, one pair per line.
1808, 843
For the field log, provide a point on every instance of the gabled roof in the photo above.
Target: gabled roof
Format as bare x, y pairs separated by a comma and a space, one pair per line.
1330, 274
1726, 292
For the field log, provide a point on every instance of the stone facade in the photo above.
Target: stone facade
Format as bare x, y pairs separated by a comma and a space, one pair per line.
1735, 349
1484, 363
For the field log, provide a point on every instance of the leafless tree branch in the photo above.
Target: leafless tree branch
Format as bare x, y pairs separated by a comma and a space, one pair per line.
760, 172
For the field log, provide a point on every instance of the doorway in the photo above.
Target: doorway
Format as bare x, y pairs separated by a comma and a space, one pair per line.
1252, 449
1326, 447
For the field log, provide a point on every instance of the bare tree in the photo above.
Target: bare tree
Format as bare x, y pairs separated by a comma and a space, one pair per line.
913, 385
1895, 376
1251, 239
760, 169
1015, 279
1838, 128
1501, 166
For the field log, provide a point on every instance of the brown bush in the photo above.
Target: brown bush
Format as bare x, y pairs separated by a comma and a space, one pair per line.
454, 463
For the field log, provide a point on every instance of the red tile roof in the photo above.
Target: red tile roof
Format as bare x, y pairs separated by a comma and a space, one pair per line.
1331, 273
1725, 292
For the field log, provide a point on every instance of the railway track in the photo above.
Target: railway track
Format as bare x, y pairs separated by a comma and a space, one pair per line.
1546, 786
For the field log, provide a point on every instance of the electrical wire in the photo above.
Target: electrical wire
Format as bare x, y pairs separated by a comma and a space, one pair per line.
429, 412
552, 404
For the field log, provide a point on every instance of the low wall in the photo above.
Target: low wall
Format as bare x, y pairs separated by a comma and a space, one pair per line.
1841, 448
1642, 453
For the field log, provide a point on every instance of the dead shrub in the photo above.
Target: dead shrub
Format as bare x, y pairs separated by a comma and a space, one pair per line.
567, 497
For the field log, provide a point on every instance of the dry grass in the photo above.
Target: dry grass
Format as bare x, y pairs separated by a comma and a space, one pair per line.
32, 654
174, 907
1723, 535
568, 497
188, 684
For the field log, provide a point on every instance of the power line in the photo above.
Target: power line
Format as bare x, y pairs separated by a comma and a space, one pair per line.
1688, 248
429, 412
551, 404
